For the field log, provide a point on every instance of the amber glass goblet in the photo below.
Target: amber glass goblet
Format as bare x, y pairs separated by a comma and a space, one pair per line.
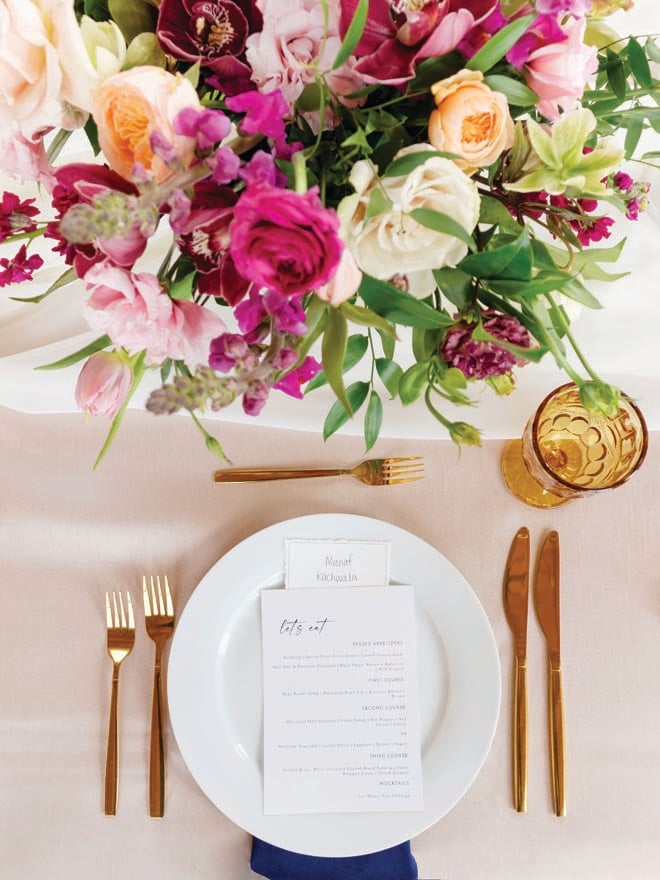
568, 452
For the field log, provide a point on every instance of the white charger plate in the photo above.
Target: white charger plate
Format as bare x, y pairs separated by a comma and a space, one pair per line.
216, 699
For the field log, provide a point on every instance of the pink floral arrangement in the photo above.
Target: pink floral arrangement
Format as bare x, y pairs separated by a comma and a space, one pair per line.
327, 172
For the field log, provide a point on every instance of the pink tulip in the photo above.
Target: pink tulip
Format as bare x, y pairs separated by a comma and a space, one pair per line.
103, 384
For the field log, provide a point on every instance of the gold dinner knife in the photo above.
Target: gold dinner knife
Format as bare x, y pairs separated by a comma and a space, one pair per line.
546, 602
516, 593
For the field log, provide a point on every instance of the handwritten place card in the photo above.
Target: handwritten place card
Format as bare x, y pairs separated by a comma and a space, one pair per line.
341, 716
312, 563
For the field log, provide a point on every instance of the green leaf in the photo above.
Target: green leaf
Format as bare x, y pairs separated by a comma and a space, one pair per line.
333, 351
353, 34
182, 288
390, 374
516, 93
65, 278
356, 347
339, 415
373, 420
616, 75
442, 223
379, 203
510, 262
425, 343
575, 290
543, 282
499, 44
633, 134
639, 65
493, 213
413, 382
405, 164
98, 344
367, 318
455, 285
400, 307
97, 9
653, 50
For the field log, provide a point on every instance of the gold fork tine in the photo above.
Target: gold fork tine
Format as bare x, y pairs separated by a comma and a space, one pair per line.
120, 628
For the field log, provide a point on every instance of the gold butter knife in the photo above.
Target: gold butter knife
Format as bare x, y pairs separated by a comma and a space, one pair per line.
516, 594
546, 602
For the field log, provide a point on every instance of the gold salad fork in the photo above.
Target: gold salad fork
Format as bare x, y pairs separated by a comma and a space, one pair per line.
159, 621
373, 472
120, 625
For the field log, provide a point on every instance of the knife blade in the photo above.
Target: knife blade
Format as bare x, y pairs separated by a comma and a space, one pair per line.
516, 596
546, 603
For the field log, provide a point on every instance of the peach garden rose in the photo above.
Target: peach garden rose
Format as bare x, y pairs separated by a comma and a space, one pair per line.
470, 120
134, 105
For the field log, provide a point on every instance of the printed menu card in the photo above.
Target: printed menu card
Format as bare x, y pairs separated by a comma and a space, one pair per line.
341, 716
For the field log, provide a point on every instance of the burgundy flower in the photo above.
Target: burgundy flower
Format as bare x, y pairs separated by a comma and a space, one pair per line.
79, 182
204, 237
212, 32
396, 37
480, 359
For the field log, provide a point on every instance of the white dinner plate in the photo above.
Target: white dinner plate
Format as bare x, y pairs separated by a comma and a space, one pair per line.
215, 686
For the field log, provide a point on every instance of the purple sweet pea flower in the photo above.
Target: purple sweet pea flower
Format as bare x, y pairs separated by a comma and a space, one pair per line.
292, 383
287, 313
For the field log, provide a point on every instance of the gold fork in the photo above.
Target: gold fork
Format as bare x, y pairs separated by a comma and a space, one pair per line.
159, 621
120, 625
373, 472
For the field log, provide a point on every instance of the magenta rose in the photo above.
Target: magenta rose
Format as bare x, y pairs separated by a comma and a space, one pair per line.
284, 240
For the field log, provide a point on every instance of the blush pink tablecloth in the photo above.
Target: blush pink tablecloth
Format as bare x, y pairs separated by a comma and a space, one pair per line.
68, 534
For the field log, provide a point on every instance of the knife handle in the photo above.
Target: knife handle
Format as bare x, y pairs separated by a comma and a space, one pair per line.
520, 736
557, 744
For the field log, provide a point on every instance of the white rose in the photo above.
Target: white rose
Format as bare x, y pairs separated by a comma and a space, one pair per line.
45, 71
392, 243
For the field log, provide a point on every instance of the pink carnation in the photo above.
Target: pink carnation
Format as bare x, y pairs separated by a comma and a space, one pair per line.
284, 240
137, 314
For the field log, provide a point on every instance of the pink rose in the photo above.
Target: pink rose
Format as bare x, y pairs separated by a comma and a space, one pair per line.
103, 384
558, 72
293, 44
136, 106
284, 240
45, 70
137, 314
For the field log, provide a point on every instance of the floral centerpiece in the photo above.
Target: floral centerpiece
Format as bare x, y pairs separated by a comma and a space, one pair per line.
329, 172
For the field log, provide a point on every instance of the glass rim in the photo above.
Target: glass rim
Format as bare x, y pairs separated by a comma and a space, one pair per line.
575, 486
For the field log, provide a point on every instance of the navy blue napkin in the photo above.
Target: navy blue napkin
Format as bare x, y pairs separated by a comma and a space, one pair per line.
396, 863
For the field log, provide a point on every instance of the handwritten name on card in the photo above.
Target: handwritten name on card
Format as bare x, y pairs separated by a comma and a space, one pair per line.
342, 563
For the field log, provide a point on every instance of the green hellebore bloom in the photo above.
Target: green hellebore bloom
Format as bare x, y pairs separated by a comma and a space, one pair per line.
561, 166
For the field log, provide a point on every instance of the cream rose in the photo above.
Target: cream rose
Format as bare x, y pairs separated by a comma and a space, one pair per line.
392, 243
470, 120
134, 104
46, 76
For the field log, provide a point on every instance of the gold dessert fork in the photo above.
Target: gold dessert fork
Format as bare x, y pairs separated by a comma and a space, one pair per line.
373, 472
159, 621
120, 624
